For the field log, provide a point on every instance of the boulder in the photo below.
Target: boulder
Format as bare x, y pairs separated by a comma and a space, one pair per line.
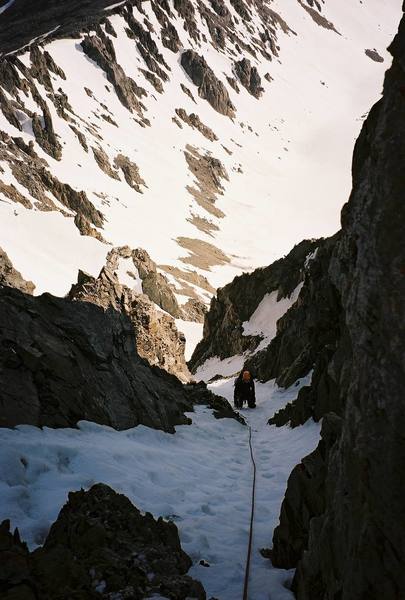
100, 546
198, 393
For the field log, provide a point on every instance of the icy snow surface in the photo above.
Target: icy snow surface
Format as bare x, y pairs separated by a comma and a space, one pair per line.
200, 477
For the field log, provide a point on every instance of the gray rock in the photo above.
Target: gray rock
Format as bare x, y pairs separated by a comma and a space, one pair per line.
100, 546
351, 544
157, 338
249, 77
63, 361
209, 86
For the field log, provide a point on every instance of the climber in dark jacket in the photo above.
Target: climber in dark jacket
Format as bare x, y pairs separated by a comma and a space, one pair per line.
244, 390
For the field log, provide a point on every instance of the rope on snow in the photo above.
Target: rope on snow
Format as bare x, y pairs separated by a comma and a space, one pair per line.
252, 516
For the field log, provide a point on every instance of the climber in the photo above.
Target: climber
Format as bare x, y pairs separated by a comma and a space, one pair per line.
244, 390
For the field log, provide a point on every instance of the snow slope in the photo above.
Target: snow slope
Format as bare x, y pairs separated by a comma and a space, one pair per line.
289, 167
199, 477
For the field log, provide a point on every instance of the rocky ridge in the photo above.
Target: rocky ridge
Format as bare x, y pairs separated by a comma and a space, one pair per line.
156, 335
362, 475
105, 353
100, 546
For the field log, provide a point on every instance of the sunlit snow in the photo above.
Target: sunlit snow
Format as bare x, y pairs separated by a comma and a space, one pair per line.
295, 161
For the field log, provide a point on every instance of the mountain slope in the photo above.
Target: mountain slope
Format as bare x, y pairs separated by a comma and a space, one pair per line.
176, 128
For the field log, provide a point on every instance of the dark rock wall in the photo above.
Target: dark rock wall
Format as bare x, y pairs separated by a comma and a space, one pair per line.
308, 329
237, 301
354, 540
64, 361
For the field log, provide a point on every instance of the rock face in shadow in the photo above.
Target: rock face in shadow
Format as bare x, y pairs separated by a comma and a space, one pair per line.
237, 301
100, 546
19, 28
209, 86
63, 361
350, 543
304, 499
308, 332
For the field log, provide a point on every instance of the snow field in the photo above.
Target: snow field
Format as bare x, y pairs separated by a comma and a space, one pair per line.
200, 477
295, 171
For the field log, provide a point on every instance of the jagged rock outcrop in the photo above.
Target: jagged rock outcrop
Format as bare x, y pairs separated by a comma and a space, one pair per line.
100, 49
131, 172
63, 361
42, 64
100, 546
351, 545
209, 86
154, 284
157, 338
32, 173
194, 121
249, 77
44, 132
102, 160
11, 277
209, 173
236, 302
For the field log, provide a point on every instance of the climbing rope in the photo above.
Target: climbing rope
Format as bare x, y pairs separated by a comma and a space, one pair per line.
252, 516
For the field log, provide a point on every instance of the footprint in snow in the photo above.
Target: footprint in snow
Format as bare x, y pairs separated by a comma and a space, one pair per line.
268, 475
